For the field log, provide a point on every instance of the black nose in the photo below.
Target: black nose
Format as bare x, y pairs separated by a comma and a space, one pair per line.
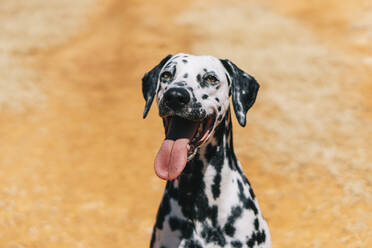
176, 98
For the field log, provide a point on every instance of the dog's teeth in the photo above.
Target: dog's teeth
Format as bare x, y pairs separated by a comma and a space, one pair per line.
200, 129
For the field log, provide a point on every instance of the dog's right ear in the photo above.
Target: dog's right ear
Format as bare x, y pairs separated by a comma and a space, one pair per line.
150, 84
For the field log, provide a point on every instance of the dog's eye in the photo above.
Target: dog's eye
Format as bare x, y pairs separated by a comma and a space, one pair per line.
165, 75
211, 78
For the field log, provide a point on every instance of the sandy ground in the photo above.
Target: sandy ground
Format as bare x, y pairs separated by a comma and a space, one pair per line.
76, 157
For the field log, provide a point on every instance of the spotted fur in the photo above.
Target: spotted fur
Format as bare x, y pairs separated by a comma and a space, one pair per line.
211, 204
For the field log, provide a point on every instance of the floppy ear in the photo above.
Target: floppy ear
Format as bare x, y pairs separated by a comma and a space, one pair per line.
243, 90
150, 83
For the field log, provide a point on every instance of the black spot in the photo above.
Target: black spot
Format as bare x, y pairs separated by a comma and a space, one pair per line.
205, 96
210, 152
248, 203
215, 157
216, 191
199, 78
219, 108
201, 81
245, 180
186, 75
174, 223
192, 244
256, 224
184, 226
241, 189
181, 84
218, 87
236, 244
261, 237
201, 210
252, 193
250, 243
164, 210
219, 133
258, 237
213, 235
217, 99
219, 118
229, 230
236, 213
184, 61
213, 215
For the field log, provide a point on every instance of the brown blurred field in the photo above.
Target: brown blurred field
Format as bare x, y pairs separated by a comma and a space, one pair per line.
76, 157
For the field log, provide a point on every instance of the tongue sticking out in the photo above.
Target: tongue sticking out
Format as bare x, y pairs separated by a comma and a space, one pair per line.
172, 155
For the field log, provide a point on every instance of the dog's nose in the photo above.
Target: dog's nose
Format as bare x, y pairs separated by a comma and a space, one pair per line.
176, 98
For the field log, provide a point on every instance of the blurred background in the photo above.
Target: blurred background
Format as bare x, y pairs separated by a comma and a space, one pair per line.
76, 157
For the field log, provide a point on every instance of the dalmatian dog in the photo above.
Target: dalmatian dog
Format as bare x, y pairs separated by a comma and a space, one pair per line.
208, 201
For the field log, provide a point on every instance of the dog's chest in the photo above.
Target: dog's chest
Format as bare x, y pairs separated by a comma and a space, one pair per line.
204, 214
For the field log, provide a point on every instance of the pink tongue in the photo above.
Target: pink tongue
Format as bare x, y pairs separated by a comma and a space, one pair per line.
172, 155
171, 158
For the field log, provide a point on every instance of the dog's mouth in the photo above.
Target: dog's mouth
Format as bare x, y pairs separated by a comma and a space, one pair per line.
183, 137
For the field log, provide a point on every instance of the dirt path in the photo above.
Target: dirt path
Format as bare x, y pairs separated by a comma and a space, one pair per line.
76, 157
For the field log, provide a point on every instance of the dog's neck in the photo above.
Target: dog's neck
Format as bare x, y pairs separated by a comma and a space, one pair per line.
198, 189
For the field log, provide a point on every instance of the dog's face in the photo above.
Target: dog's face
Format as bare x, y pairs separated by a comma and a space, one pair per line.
193, 87
192, 93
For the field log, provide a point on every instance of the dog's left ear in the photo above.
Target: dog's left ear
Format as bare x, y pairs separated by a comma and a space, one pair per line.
243, 90
150, 84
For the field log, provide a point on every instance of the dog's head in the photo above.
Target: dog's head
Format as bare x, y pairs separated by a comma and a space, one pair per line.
192, 93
